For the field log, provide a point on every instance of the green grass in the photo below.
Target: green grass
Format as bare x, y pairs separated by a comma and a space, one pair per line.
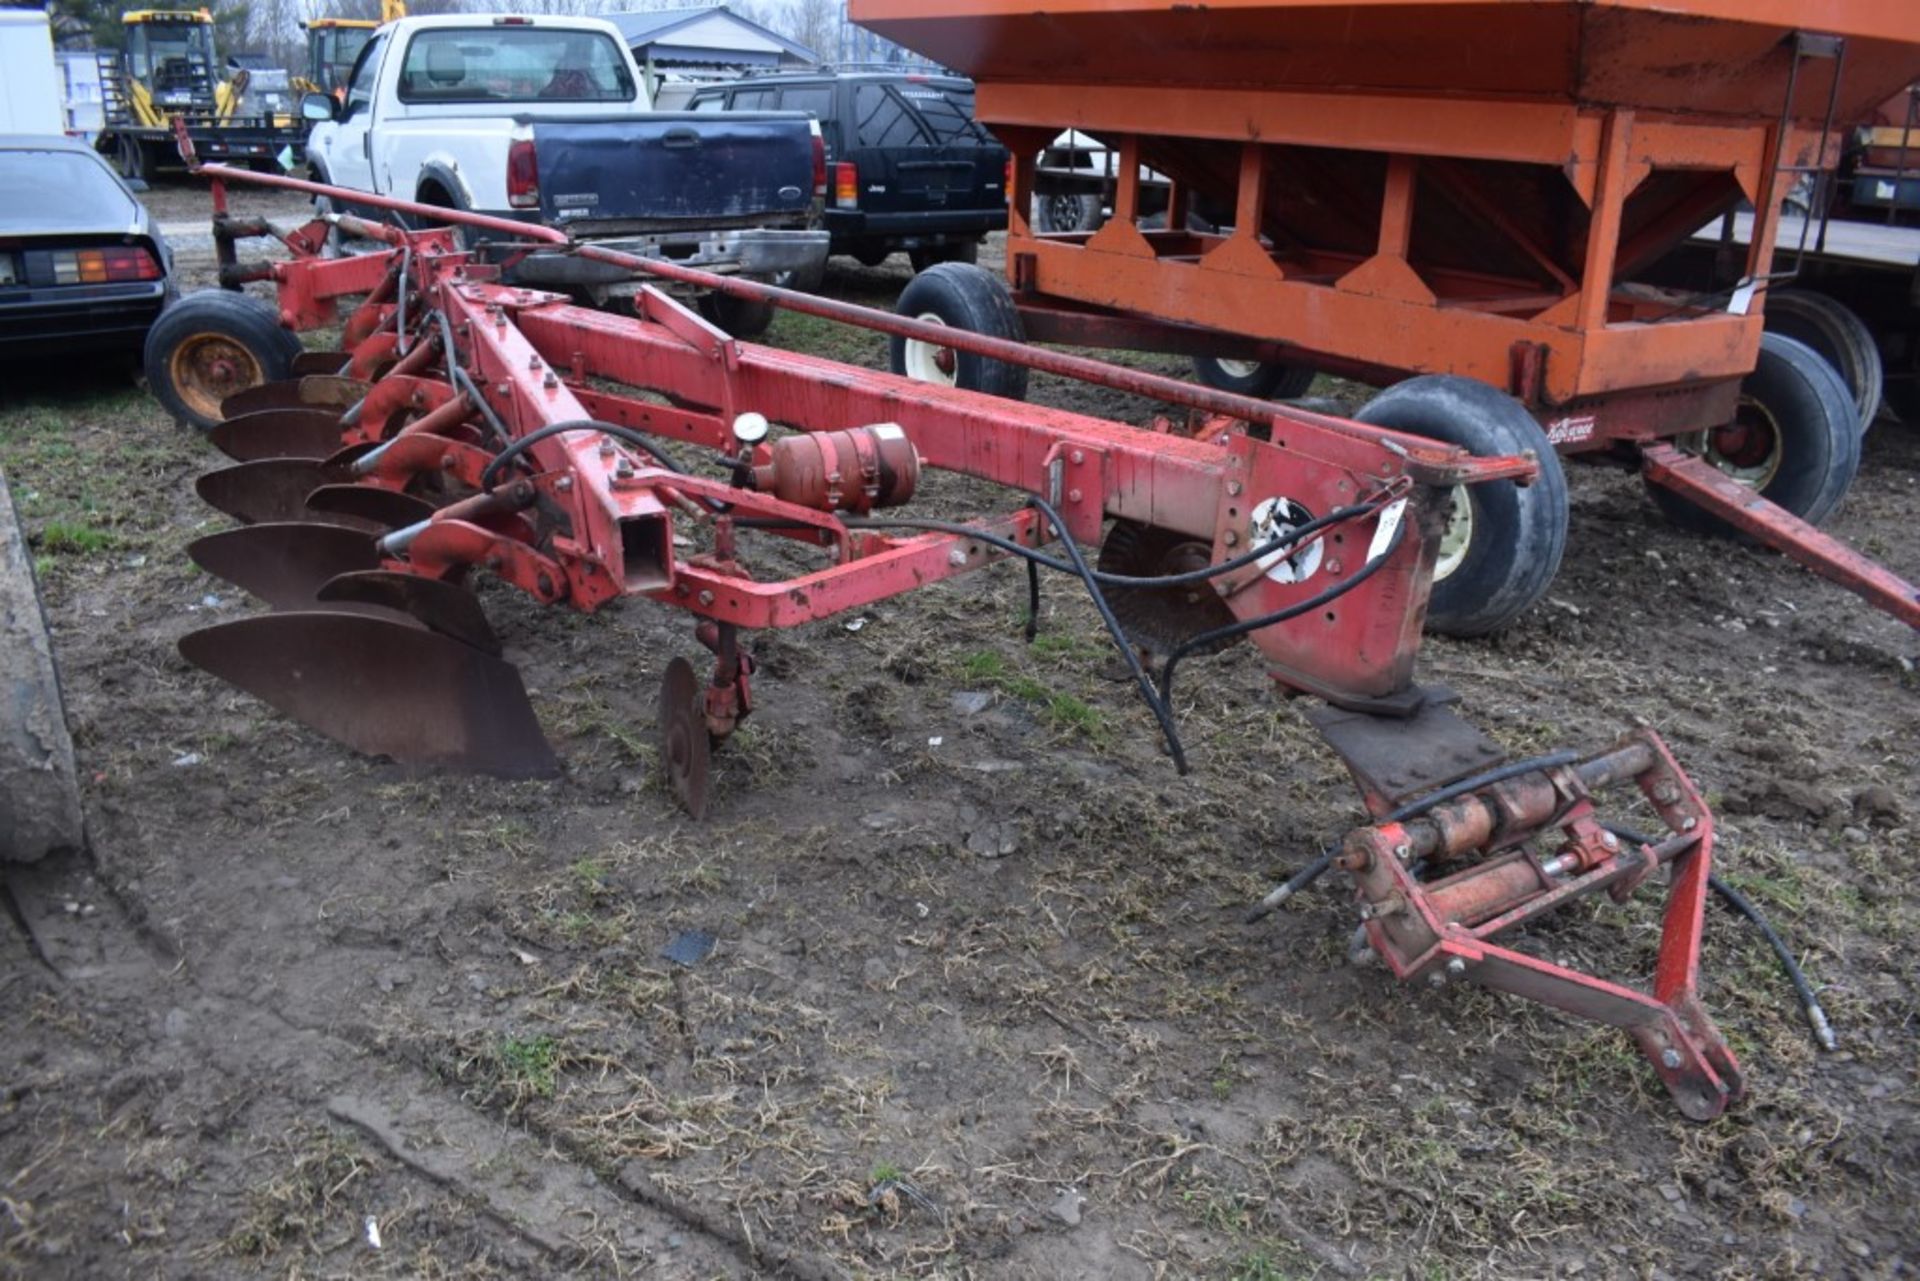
529, 1065
60, 537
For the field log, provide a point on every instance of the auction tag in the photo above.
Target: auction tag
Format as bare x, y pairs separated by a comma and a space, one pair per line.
1383, 532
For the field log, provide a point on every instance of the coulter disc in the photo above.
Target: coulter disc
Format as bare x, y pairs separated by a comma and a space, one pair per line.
440, 606
685, 749
383, 688
1160, 619
278, 433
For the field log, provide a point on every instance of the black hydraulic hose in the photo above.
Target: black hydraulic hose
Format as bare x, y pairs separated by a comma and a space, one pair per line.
1291, 539
1245, 625
1033, 600
1809, 1001
626, 435
1412, 809
1145, 682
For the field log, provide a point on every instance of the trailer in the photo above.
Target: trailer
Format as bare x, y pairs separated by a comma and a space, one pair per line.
29, 80
1451, 188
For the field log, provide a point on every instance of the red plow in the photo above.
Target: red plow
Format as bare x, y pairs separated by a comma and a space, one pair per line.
469, 426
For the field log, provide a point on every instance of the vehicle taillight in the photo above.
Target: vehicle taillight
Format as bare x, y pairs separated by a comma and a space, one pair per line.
523, 175
846, 186
99, 266
1006, 182
819, 164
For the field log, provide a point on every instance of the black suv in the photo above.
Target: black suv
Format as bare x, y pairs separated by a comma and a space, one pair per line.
908, 168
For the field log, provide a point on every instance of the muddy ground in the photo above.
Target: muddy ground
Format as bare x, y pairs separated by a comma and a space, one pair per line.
981, 1004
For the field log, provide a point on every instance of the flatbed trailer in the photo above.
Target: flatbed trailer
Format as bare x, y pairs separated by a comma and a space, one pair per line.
1461, 189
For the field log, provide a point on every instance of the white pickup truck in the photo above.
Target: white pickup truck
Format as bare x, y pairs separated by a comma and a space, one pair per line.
547, 119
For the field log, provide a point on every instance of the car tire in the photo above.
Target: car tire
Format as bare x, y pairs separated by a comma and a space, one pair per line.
1059, 212
746, 318
872, 253
1504, 541
967, 297
1795, 438
1251, 378
1839, 336
210, 345
964, 251
807, 280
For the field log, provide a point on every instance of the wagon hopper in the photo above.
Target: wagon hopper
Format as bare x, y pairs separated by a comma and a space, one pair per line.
1394, 189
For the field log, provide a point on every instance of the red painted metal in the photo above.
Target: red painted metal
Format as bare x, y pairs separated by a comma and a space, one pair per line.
1444, 928
1703, 484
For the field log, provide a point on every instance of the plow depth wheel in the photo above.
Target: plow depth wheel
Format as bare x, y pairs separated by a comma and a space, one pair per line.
1503, 541
966, 297
1795, 438
39, 794
211, 345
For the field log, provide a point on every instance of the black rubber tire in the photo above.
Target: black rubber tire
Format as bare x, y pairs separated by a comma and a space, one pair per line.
131, 159
967, 297
1266, 382
1519, 533
246, 322
1832, 329
1811, 409
967, 251
872, 253
745, 318
807, 280
1067, 211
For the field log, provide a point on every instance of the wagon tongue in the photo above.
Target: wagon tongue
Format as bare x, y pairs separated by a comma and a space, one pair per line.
278, 433
384, 688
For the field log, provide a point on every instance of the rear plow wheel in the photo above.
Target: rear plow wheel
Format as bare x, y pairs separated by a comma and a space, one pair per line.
1503, 542
1794, 437
211, 345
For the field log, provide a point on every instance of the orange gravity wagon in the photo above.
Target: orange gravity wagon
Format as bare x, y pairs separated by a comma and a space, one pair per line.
1454, 189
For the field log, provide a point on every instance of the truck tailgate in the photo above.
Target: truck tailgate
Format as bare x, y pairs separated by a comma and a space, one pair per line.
609, 173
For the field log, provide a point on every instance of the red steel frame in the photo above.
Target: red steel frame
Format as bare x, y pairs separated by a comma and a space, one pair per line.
595, 522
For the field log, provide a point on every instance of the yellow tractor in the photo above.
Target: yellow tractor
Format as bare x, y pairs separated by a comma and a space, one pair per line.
334, 45
169, 69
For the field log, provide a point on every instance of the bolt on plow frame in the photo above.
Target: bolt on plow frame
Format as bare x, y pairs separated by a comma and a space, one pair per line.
468, 426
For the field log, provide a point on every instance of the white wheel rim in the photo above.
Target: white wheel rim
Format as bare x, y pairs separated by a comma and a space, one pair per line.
1237, 368
1740, 456
925, 359
1457, 537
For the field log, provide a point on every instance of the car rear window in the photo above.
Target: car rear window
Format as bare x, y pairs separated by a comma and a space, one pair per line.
513, 64
48, 190
915, 115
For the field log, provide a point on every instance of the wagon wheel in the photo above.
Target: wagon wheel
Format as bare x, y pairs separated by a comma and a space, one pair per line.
1794, 437
966, 297
1502, 542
